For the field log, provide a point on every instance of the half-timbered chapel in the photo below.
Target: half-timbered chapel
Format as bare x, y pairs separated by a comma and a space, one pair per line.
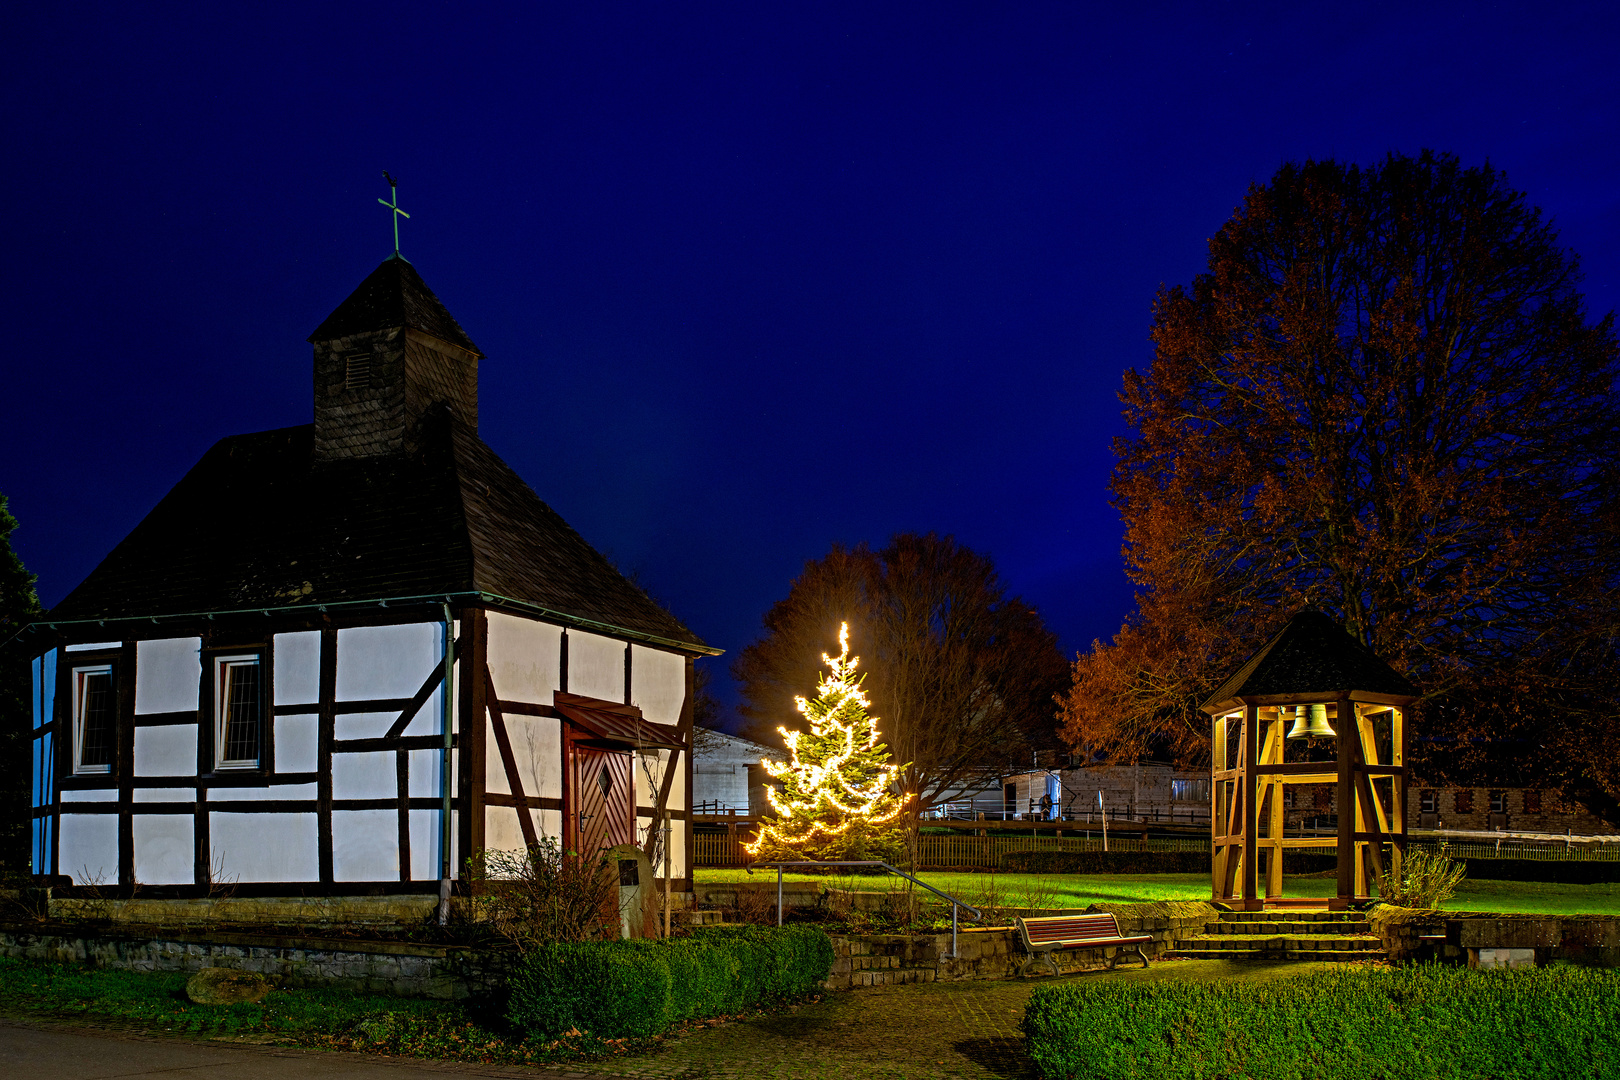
338, 659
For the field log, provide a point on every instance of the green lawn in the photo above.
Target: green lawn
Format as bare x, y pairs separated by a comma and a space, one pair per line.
1079, 890
332, 1019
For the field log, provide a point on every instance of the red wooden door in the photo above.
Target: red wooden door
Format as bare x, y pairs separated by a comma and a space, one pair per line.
599, 806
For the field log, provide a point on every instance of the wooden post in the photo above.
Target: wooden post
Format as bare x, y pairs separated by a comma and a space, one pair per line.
1274, 756
1251, 809
1346, 806
1217, 865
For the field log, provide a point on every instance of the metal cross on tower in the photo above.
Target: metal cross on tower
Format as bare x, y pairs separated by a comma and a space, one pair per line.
393, 189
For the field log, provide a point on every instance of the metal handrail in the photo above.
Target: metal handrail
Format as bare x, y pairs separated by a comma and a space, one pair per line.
978, 916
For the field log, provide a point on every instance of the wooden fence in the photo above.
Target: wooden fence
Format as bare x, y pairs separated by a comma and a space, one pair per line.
957, 852
1537, 852
986, 852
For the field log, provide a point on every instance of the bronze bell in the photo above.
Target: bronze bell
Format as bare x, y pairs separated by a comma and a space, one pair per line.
1311, 722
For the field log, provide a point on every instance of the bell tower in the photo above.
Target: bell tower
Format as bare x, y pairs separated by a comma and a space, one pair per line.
382, 359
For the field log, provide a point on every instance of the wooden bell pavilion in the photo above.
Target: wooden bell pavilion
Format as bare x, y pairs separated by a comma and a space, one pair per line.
1313, 706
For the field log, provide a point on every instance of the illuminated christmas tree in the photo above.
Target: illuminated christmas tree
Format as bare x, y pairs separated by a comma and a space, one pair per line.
838, 799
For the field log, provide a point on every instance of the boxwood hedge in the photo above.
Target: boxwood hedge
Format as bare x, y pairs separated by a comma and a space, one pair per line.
1411, 1023
618, 989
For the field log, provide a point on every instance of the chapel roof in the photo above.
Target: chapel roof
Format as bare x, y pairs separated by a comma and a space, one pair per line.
1311, 654
393, 295
257, 523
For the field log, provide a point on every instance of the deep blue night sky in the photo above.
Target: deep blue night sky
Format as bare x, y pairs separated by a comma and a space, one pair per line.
750, 278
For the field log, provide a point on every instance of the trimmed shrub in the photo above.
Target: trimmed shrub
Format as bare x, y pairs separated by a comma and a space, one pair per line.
1413, 1023
619, 989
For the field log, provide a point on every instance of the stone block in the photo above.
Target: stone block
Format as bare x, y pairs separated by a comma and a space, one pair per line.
1505, 958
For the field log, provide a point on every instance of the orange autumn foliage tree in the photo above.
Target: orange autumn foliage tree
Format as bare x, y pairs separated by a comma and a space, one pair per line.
1384, 399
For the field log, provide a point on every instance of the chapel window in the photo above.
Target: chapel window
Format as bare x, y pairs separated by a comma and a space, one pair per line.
238, 711
95, 719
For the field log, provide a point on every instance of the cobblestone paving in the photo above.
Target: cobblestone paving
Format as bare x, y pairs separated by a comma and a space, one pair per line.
923, 1031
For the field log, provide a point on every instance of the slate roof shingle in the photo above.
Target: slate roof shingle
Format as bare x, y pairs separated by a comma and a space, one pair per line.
393, 295
1311, 654
257, 523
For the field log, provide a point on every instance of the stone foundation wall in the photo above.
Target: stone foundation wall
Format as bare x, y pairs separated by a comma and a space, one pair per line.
1497, 940
404, 970
889, 959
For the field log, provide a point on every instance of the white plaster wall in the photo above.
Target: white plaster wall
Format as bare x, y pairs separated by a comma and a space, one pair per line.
657, 683
365, 725
91, 795
365, 845
297, 662
167, 672
678, 798
425, 846
386, 661
677, 850
262, 794
369, 775
170, 750
424, 773
537, 749
677, 843
298, 740
501, 829
164, 849
548, 823
427, 718
649, 773
165, 794
523, 658
88, 848
595, 666
264, 847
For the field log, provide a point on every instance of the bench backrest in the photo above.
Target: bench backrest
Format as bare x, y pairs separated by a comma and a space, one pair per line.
1044, 930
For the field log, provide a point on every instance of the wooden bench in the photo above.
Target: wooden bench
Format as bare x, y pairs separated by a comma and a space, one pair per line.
1043, 935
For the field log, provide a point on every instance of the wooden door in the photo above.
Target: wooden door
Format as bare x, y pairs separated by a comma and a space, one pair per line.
600, 805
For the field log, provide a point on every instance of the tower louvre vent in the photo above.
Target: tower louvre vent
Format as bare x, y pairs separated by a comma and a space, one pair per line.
357, 370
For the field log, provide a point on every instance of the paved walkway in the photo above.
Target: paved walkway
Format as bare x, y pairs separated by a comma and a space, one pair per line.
924, 1031
920, 1032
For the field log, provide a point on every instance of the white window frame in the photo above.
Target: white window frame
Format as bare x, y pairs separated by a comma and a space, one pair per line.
222, 664
79, 675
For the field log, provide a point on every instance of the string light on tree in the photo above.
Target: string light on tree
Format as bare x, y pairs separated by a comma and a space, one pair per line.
839, 797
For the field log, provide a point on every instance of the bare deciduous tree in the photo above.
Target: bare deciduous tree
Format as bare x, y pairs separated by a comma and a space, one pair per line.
962, 676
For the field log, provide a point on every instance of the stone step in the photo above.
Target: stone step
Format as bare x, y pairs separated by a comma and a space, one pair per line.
1247, 926
1290, 917
1283, 941
1339, 955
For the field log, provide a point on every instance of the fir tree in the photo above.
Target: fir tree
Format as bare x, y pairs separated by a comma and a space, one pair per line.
18, 607
838, 797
